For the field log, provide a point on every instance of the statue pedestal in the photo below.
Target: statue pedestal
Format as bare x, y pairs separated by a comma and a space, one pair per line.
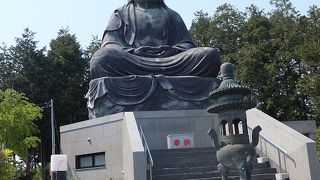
111, 95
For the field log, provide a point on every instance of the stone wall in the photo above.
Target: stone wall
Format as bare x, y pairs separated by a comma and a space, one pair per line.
133, 152
288, 150
157, 125
117, 135
93, 136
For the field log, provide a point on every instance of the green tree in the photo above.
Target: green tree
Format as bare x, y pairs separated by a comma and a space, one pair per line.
225, 29
62, 73
18, 128
309, 52
268, 62
94, 45
255, 63
68, 76
23, 68
7, 168
199, 29
275, 53
286, 35
17, 122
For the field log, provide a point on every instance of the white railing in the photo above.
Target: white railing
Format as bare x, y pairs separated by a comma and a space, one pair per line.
147, 152
276, 147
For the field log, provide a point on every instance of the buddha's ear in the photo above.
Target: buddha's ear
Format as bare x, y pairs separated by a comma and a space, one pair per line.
115, 22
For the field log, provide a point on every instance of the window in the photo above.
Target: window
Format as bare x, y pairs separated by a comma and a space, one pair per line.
224, 127
237, 126
90, 160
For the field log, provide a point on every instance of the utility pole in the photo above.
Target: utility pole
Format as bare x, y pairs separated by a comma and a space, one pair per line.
53, 138
58, 162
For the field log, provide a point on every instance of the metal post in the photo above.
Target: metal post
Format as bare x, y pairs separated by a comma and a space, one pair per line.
53, 138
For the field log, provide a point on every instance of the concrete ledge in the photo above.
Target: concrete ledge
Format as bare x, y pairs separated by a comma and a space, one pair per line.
282, 176
262, 160
288, 150
172, 114
91, 123
134, 160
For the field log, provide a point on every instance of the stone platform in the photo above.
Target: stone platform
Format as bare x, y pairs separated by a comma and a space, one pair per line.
118, 137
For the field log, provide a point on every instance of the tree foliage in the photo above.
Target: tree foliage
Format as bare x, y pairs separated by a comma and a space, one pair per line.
17, 122
275, 53
23, 67
7, 169
68, 77
61, 73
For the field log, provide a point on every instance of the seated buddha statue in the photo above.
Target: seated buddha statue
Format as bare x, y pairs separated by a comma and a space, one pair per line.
145, 37
148, 61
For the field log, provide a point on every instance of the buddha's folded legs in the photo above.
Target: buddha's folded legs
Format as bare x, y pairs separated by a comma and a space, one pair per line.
113, 61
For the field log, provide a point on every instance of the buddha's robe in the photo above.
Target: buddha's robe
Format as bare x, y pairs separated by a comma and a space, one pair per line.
151, 41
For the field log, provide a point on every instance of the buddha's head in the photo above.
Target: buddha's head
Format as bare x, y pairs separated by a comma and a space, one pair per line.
147, 1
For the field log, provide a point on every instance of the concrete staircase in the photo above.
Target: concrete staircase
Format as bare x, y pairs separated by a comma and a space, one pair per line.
197, 164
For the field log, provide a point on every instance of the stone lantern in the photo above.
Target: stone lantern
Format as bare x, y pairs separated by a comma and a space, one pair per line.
235, 152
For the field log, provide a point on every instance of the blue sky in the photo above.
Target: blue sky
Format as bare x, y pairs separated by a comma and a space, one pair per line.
86, 18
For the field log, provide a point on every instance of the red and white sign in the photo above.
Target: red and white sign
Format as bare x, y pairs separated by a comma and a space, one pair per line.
176, 141
59, 163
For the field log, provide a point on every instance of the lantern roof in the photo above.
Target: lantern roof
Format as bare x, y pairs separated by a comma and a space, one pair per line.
230, 95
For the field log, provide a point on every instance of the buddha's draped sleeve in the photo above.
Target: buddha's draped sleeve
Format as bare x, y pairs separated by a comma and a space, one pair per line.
113, 33
178, 33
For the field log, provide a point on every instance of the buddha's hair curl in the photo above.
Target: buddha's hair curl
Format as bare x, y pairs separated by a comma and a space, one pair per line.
161, 1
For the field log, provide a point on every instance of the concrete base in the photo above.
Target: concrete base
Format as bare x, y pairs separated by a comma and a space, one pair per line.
117, 135
262, 160
282, 176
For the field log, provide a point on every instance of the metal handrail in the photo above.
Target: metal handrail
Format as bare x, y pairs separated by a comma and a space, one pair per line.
278, 148
146, 151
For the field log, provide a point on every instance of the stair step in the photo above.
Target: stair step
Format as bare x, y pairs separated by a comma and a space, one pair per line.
204, 171
182, 154
181, 150
194, 176
185, 159
212, 163
174, 170
254, 177
198, 163
183, 170
191, 163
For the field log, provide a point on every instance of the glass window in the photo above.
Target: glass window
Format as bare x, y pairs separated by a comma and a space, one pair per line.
90, 160
99, 160
86, 161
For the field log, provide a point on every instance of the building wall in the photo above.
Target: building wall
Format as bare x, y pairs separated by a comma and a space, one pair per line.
288, 150
117, 135
157, 125
133, 151
105, 135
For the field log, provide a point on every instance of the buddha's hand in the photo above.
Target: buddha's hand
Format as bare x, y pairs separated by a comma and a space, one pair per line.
149, 51
167, 51
146, 51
